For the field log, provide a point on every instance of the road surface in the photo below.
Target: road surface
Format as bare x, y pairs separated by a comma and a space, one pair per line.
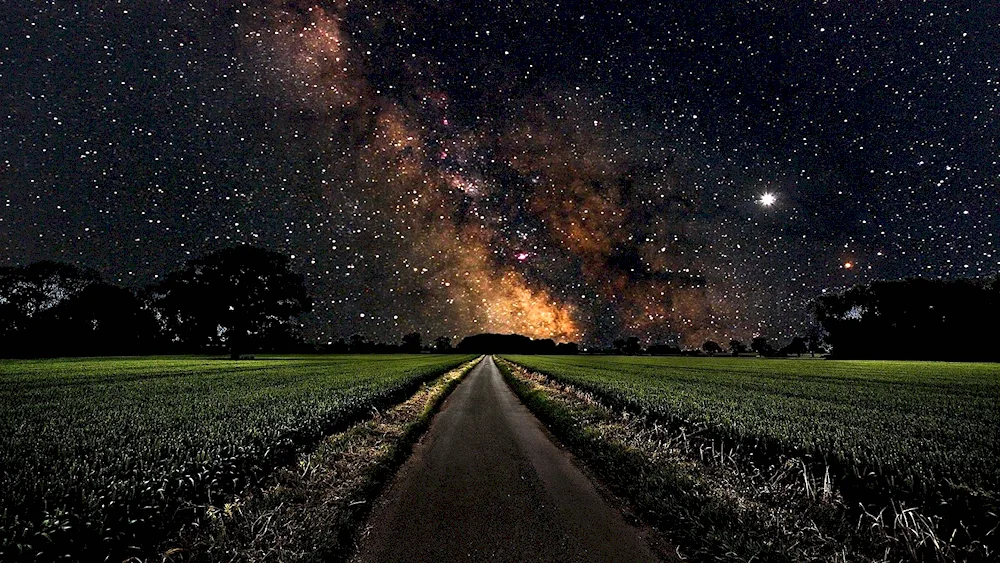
488, 484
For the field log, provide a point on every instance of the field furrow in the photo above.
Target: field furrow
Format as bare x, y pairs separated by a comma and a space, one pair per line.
889, 434
98, 455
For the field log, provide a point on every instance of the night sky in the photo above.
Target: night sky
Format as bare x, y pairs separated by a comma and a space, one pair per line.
575, 170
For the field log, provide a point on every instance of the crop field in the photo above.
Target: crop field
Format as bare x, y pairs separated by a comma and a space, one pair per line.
99, 454
921, 434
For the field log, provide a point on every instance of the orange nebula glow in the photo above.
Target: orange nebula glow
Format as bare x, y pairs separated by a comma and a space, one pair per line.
492, 299
517, 308
450, 266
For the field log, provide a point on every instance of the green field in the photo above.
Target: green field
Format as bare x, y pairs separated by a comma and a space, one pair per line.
98, 454
923, 433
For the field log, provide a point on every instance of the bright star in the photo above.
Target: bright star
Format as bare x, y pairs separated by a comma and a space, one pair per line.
768, 199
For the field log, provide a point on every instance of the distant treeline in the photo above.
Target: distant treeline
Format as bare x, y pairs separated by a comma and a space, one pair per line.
913, 319
513, 344
475, 344
246, 299
234, 300
412, 343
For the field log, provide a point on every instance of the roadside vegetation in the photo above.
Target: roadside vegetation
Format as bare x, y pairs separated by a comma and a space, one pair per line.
312, 510
786, 460
106, 458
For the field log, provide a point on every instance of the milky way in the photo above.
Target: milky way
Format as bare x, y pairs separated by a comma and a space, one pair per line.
581, 171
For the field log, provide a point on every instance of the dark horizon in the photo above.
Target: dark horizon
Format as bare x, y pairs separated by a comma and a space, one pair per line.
248, 300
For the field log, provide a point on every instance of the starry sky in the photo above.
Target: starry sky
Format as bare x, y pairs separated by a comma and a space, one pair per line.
674, 170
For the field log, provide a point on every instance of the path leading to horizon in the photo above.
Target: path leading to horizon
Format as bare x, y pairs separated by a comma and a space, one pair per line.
488, 484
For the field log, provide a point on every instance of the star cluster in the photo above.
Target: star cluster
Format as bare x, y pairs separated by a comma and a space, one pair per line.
582, 171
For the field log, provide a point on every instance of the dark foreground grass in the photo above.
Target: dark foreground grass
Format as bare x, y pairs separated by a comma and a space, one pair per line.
105, 458
312, 510
888, 455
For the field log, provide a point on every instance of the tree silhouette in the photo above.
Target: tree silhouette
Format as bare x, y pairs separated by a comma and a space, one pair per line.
102, 319
711, 347
28, 296
411, 343
814, 340
911, 319
567, 349
627, 346
442, 345
359, 344
761, 346
664, 350
238, 298
512, 344
797, 346
338, 346
737, 347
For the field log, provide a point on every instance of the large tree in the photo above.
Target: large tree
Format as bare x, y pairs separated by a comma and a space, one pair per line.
912, 319
27, 296
103, 319
239, 298
56, 309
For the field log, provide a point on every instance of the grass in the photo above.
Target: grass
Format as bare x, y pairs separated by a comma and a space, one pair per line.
107, 457
312, 510
905, 449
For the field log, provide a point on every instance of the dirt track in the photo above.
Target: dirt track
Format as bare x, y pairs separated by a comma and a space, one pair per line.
488, 484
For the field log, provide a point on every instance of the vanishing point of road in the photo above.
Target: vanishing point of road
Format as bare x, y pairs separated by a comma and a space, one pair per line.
488, 484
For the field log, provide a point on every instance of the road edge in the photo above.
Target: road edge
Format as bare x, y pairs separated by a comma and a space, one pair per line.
315, 509
700, 506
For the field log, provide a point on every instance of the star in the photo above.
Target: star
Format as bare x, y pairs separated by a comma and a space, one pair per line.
515, 165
